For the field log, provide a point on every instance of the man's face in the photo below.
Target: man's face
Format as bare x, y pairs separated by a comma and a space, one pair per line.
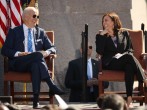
89, 51
32, 18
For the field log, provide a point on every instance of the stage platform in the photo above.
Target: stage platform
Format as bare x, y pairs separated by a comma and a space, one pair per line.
80, 106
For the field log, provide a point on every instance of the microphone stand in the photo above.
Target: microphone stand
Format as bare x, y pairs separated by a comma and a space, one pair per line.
84, 62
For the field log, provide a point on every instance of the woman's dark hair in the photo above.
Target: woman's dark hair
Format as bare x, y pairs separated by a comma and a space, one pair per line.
116, 20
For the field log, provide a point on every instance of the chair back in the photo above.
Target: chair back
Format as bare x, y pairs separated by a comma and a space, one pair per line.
50, 34
138, 44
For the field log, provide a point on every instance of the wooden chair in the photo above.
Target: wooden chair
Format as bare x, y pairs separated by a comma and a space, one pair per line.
118, 76
10, 77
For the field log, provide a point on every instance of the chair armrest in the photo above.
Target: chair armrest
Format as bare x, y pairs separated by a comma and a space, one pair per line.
144, 55
50, 57
53, 55
144, 58
50, 63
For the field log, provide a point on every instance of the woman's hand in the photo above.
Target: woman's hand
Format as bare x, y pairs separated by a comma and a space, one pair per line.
107, 31
103, 32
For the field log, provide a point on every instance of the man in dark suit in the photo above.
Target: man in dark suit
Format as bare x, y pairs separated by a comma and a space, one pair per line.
73, 79
24, 47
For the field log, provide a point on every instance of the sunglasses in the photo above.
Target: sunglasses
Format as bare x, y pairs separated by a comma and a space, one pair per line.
90, 47
35, 16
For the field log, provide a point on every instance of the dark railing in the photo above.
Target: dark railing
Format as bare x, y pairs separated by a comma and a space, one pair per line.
84, 61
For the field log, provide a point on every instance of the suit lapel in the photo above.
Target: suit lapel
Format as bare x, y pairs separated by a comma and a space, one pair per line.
36, 36
22, 37
22, 32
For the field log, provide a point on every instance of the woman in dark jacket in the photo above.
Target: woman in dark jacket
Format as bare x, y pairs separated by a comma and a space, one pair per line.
114, 46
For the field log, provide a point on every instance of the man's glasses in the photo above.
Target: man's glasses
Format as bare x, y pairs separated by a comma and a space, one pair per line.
35, 16
90, 47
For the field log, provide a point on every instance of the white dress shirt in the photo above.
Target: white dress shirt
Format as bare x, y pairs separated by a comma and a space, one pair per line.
89, 71
25, 28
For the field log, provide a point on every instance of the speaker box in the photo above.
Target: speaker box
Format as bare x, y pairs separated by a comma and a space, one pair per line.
5, 99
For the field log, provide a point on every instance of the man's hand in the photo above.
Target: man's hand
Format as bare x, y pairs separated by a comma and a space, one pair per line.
23, 53
95, 81
44, 53
91, 82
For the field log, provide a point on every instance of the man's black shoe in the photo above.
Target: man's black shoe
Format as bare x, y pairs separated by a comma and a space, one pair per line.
36, 101
55, 90
36, 105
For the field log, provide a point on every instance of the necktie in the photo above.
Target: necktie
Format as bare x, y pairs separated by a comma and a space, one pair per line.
30, 48
88, 70
89, 73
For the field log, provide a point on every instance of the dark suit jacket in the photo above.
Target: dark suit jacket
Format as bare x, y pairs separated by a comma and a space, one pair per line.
15, 41
106, 47
73, 79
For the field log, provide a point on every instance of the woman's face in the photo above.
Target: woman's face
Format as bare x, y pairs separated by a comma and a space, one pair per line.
108, 24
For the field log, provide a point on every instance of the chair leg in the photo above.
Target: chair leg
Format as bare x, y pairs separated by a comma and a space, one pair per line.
12, 90
101, 88
141, 93
141, 103
140, 88
5, 88
51, 100
145, 94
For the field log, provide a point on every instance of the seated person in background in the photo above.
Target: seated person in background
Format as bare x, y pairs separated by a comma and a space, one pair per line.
114, 46
73, 78
100, 100
12, 106
3, 107
50, 107
112, 102
24, 47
